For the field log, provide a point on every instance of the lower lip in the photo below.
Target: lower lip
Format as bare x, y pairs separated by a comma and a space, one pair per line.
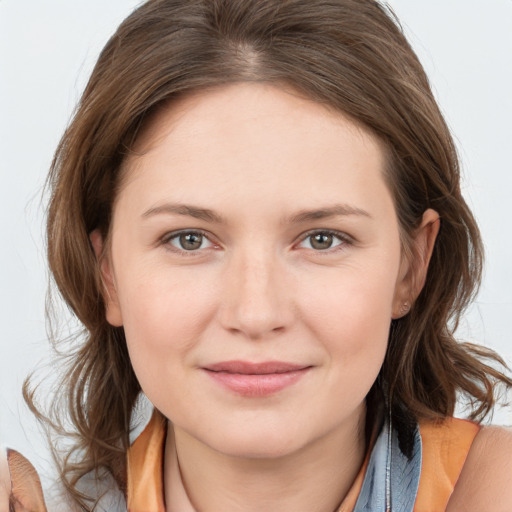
252, 385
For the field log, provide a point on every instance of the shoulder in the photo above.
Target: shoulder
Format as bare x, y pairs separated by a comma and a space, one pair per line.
485, 483
20, 486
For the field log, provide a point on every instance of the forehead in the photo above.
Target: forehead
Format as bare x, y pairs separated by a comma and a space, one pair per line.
228, 105
269, 140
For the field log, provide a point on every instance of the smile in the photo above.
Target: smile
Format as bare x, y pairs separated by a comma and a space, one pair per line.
256, 379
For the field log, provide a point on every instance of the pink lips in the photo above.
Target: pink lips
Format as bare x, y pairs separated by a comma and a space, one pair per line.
255, 379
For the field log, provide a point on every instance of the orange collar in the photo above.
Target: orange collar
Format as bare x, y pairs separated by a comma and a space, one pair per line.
145, 491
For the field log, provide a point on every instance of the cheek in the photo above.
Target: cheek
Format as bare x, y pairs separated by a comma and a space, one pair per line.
164, 314
351, 317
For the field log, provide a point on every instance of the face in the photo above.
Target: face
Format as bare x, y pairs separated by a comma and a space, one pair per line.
255, 265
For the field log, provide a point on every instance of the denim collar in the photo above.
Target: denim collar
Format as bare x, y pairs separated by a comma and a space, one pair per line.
391, 480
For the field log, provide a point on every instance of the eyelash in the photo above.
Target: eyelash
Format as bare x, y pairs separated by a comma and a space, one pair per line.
343, 238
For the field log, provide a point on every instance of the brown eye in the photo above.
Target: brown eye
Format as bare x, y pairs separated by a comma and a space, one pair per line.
324, 240
189, 241
321, 241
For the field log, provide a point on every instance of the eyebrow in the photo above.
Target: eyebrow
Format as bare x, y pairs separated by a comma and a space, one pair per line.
324, 213
211, 216
187, 210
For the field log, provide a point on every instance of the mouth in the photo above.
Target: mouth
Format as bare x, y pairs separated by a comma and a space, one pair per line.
256, 379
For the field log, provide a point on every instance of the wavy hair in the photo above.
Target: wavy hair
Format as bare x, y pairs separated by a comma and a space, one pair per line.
350, 55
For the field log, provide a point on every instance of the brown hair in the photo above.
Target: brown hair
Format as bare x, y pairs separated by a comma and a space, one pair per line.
350, 55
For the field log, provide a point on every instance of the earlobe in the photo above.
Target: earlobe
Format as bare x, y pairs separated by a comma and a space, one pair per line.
414, 269
113, 311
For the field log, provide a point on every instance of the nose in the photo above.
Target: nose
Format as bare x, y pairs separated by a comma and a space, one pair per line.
257, 301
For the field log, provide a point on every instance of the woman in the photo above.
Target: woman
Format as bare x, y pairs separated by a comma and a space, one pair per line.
256, 215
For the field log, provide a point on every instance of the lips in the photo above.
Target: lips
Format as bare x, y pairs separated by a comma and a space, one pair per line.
256, 379
247, 368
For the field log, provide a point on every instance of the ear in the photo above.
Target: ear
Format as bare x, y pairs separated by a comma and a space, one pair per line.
113, 311
414, 267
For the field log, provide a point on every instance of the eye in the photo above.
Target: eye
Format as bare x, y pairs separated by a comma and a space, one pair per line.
189, 241
323, 240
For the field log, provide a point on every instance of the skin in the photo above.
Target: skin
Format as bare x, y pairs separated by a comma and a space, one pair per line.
5, 481
485, 481
258, 290
20, 487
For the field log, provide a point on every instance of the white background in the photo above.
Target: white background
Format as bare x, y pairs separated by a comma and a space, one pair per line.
47, 50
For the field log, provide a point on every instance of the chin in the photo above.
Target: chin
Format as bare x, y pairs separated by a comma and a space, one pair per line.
256, 449
258, 441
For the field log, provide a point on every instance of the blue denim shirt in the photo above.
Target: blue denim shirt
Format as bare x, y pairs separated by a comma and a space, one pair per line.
391, 480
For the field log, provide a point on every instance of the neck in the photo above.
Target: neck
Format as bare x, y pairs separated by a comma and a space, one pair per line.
316, 477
